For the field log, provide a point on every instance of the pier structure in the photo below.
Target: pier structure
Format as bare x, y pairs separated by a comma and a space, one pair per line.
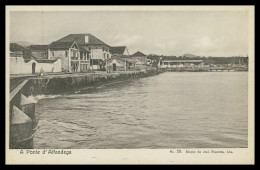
179, 63
22, 119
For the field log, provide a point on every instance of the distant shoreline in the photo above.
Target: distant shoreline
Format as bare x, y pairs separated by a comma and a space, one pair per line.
203, 70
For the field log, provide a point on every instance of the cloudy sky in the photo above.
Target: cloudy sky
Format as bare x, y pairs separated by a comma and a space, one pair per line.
151, 32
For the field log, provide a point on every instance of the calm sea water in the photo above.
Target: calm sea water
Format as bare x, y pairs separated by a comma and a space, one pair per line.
170, 110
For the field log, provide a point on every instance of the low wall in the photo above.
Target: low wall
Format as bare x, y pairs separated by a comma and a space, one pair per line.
18, 66
49, 67
71, 83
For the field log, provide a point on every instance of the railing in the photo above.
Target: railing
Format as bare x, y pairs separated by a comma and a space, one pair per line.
16, 93
84, 62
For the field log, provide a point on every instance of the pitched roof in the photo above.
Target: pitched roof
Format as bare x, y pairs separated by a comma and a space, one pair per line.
40, 60
138, 53
82, 48
38, 47
123, 58
130, 60
16, 47
117, 50
60, 45
45, 61
80, 39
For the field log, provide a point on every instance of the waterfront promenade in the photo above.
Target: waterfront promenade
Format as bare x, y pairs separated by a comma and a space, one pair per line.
62, 83
16, 79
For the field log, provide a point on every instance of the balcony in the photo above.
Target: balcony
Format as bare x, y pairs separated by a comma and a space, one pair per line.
84, 62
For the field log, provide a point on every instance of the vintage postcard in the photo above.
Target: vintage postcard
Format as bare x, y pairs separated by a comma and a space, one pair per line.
130, 85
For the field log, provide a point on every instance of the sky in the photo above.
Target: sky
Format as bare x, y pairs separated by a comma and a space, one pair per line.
172, 33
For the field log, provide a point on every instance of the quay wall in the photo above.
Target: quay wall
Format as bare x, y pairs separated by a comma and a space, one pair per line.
70, 83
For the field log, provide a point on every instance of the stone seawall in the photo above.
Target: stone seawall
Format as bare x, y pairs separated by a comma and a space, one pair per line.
70, 83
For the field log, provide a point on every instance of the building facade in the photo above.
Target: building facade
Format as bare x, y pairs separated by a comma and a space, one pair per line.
140, 58
117, 63
180, 63
19, 65
84, 59
99, 51
68, 53
36, 52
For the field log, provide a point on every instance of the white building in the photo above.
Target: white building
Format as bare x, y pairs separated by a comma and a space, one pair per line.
99, 51
179, 63
18, 65
68, 53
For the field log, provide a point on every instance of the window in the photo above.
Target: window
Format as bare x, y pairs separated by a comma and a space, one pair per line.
52, 53
74, 54
81, 55
66, 53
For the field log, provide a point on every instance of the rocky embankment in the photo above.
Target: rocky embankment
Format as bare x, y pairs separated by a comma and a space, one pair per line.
70, 82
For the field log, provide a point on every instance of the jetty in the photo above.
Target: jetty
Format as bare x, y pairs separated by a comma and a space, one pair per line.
23, 118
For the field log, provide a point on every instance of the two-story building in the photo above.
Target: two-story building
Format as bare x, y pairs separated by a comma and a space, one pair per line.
68, 53
84, 59
25, 61
36, 52
99, 51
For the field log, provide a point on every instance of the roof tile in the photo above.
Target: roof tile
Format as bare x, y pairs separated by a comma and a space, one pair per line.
16, 47
80, 39
138, 53
38, 47
117, 50
60, 45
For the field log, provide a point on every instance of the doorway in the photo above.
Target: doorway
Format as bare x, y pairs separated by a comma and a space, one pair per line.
33, 68
114, 67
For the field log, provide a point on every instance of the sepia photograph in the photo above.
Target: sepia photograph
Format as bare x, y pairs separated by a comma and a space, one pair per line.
178, 80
